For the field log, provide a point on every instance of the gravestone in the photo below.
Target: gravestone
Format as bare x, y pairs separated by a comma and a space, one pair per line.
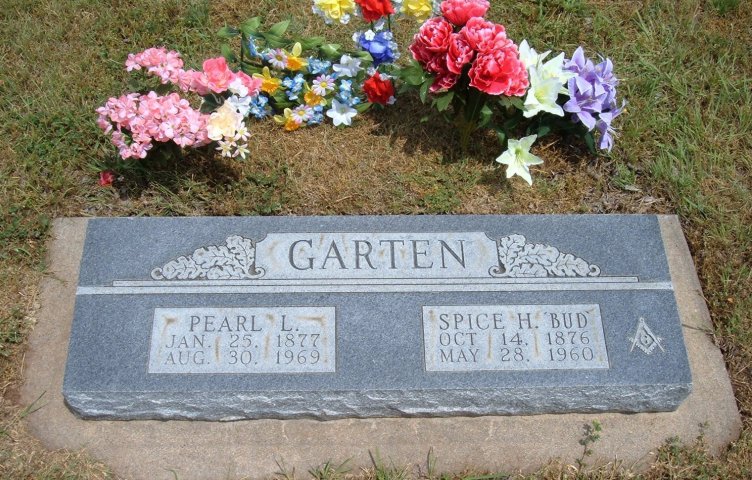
338, 317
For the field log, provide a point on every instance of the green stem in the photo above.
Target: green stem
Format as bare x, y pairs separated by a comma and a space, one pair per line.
467, 120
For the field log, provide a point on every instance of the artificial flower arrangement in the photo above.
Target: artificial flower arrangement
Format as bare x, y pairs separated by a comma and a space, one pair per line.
467, 62
298, 82
461, 62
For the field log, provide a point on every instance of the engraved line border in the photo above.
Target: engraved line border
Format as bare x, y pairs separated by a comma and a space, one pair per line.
248, 373
373, 281
373, 288
597, 369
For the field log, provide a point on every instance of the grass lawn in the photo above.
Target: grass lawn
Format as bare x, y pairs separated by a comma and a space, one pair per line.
685, 147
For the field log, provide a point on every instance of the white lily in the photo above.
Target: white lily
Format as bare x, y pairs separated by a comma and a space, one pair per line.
341, 113
518, 158
554, 69
347, 66
542, 95
529, 57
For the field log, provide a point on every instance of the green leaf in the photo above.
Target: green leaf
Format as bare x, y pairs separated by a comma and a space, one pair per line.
404, 88
280, 28
590, 142
312, 43
543, 130
272, 40
330, 50
250, 68
442, 103
209, 104
515, 102
163, 89
363, 107
486, 114
250, 26
228, 32
365, 56
511, 124
502, 136
228, 53
424, 89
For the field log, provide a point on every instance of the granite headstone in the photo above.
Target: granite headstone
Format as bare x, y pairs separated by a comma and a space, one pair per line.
335, 317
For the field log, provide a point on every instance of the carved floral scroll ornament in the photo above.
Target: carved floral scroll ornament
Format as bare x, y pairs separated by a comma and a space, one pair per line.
518, 259
236, 260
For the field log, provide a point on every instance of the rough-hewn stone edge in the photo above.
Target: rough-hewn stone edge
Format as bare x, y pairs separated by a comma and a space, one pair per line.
226, 406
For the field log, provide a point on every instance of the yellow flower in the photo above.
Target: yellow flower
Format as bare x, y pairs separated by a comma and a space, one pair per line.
224, 122
335, 9
269, 84
291, 125
312, 99
294, 61
420, 10
287, 120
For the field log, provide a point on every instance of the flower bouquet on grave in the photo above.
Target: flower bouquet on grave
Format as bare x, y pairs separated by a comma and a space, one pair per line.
298, 82
467, 66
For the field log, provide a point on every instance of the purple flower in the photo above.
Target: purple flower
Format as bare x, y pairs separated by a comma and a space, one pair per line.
592, 96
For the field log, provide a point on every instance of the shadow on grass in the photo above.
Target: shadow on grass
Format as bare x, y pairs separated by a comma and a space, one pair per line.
168, 168
421, 129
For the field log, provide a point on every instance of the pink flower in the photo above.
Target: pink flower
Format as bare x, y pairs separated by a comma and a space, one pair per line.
500, 73
136, 121
218, 74
167, 65
252, 84
444, 81
485, 37
460, 11
431, 40
459, 54
199, 83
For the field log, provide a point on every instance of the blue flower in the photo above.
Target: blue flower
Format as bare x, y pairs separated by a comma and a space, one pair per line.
252, 50
318, 116
380, 45
317, 66
260, 107
294, 86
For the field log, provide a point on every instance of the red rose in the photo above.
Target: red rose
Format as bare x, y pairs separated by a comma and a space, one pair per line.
459, 54
460, 11
485, 37
500, 73
379, 90
375, 9
106, 178
431, 40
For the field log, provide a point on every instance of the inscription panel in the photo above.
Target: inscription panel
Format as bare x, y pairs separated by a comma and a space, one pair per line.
243, 340
513, 337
